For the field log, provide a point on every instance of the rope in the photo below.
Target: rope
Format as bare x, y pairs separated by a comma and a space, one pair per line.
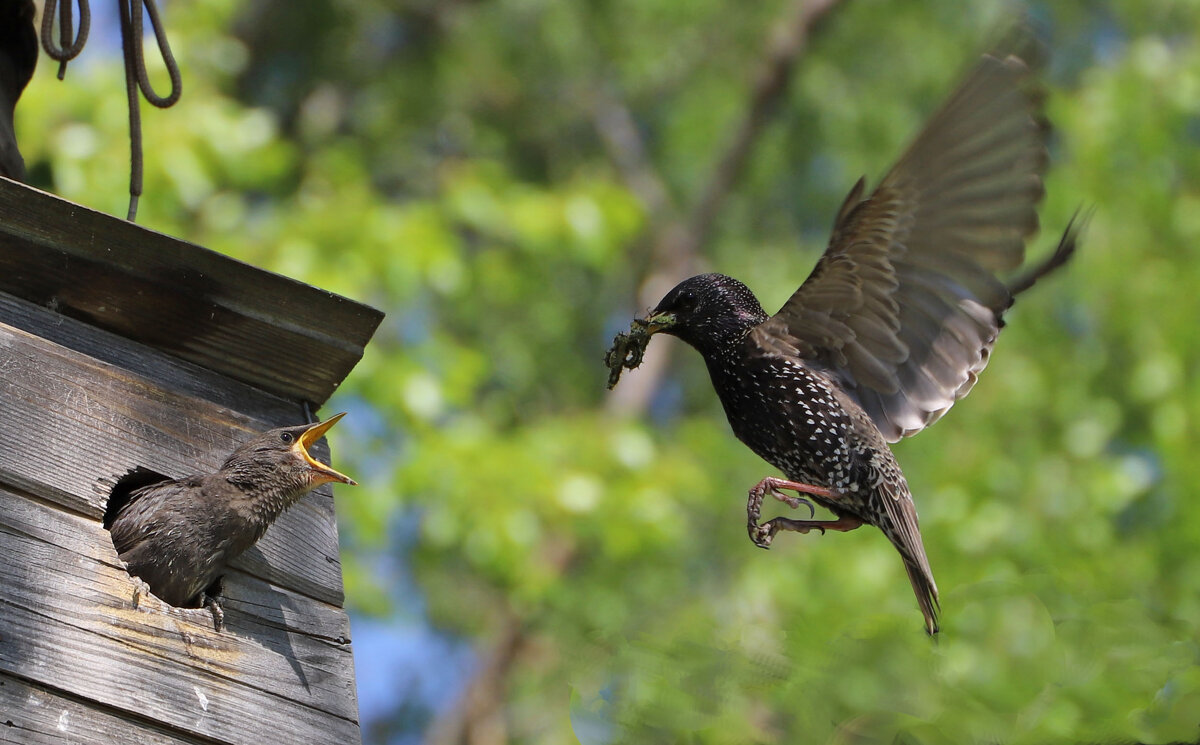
139, 63
68, 48
136, 77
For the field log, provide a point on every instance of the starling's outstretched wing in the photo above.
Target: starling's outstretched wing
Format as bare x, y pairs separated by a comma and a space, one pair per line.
904, 306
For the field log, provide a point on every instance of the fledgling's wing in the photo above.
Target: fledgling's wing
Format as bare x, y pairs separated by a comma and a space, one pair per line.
160, 541
128, 527
905, 304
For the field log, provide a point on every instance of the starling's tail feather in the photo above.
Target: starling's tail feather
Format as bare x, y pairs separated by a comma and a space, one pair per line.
898, 522
926, 591
1066, 249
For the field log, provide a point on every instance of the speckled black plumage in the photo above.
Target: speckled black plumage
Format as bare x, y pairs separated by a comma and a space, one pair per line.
797, 418
894, 324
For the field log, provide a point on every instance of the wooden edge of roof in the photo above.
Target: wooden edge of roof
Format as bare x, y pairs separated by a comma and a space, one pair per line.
270, 331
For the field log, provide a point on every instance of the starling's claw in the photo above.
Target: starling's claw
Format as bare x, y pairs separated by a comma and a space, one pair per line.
213, 603
139, 588
794, 502
771, 527
211, 599
762, 534
762, 539
753, 512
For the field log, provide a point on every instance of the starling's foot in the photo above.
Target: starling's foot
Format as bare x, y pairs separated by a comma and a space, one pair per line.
140, 588
763, 534
213, 603
211, 599
771, 485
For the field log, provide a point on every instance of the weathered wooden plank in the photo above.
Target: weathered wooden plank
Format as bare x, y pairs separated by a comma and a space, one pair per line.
69, 624
74, 425
170, 372
251, 596
261, 328
260, 602
34, 715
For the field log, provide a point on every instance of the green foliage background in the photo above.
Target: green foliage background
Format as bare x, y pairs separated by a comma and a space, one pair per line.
440, 160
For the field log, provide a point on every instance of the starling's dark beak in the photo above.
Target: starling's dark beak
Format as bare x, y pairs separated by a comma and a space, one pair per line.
656, 322
306, 440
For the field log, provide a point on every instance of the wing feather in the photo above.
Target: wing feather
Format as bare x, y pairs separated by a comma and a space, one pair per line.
904, 306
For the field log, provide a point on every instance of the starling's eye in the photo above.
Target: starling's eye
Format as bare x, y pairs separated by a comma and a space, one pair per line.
686, 301
286, 437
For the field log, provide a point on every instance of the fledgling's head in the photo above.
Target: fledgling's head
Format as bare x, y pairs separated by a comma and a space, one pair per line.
707, 311
278, 462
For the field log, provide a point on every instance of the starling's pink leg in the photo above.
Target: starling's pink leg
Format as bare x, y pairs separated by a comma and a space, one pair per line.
763, 534
771, 485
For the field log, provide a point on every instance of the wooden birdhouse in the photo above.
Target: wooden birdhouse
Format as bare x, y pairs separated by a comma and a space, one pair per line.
125, 351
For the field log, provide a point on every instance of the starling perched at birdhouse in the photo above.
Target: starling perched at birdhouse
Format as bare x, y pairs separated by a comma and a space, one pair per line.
894, 324
178, 536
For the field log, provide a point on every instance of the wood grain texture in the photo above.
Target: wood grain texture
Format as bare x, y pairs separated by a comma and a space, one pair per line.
282, 336
34, 715
281, 671
74, 425
163, 369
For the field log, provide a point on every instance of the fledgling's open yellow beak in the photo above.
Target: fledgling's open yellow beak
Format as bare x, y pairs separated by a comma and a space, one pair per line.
324, 473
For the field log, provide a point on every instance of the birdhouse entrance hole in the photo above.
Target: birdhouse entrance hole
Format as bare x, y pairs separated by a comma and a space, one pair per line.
123, 490
125, 486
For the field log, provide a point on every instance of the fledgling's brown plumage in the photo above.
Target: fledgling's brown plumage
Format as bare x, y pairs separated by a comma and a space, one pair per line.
895, 322
179, 536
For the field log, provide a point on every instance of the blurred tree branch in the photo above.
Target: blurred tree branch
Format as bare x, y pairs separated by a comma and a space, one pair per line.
478, 716
789, 40
676, 240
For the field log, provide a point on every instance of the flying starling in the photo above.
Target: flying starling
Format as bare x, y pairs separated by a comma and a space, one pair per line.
895, 322
178, 536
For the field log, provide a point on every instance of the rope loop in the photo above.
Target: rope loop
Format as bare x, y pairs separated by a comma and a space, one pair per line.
131, 20
69, 44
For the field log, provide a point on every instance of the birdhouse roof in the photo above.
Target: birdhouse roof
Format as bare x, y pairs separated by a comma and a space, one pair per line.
274, 333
